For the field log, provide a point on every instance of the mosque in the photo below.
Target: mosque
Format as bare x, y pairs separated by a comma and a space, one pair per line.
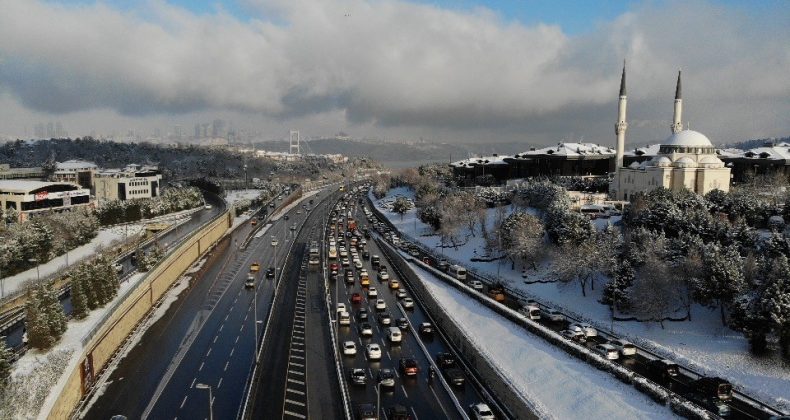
685, 160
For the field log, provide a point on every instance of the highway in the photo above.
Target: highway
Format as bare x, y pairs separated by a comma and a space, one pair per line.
206, 337
13, 332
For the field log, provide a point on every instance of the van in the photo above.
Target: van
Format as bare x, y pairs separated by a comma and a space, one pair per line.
458, 272
394, 334
531, 312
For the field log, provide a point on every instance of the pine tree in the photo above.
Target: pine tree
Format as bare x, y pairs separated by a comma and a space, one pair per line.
56, 318
6, 359
723, 278
776, 301
79, 300
38, 332
615, 294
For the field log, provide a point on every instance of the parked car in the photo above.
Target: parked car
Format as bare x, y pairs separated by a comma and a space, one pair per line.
373, 351
358, 376
624, 347
481, 411
349, 348
607, 350
409, 366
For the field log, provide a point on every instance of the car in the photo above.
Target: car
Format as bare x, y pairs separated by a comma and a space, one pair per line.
662, 370
357, 263
402, 323
607, 350
386, 378
446, 360
275, 242
407, 303
476, 284
270, 273
250, 281
293, 226
531, 312
356, 297
366, 411
624, 347
349, 280
343, 252
349, 348
344, 318
358, 376
524, 273
365, 255
372, 292
373, 351
394, 335
341, 307
364, 281
381, 305
426, 329
400, 294
285, 217
455, 376
398, 412
394, 284
253, 222
362, 315
345, 262
409, 366
554, 315
481, 411
713, 388
587, 329
255, 266
383, 276
385, 319
365, 330
574, 335
299, 212
207, 207
363, 272
118, 268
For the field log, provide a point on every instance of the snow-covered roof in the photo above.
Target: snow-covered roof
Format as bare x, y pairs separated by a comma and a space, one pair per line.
25, 186
483, 160
649, 150
687, 138
75, 164
571, 149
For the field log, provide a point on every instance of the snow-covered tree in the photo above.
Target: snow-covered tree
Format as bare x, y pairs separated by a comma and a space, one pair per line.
723, 278
775, 245
522, 237
567, 227
615, 294
577, 262
44, 320
401, 206
653, 295
776, 300
6, 359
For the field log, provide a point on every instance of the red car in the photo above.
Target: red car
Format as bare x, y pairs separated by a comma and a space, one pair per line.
333, 267
408, 366
356, 298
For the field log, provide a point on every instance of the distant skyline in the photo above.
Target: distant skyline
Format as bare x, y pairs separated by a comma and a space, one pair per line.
505, 70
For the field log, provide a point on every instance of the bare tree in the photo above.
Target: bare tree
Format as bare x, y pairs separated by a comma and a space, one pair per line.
654, 294
522, 238
576, 263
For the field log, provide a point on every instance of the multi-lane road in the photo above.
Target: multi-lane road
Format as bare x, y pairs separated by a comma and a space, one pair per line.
206, 338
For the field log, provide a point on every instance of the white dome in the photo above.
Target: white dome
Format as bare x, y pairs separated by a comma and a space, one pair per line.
711, 162
687, 138
685, 162
661, 161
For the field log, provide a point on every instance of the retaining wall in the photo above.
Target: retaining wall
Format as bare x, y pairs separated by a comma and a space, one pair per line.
104, 341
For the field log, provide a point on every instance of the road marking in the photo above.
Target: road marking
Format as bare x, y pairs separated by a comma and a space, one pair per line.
208, 352
221, 327
299, 350
295, 402
296, 381
242, 328
232, 350
226, 366
183, 402
294, 391
215, 338
296, 364
293, 356
220, 383
295, 372
291, 413
226, 317
237, 339
201, 367
192, 385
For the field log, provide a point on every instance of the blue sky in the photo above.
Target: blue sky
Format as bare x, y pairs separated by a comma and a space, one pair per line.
573, 16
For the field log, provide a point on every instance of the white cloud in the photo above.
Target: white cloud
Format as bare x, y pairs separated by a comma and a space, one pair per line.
392, 65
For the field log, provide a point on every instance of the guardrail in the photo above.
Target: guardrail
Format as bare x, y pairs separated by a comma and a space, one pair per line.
521, 295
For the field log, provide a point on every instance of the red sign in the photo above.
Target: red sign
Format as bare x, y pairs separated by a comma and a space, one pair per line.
41, 196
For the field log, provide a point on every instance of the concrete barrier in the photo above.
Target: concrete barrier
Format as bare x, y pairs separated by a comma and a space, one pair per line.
103, 342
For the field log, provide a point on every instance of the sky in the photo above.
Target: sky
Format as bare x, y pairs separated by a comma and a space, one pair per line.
537, 72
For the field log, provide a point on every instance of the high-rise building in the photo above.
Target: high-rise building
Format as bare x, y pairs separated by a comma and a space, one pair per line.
218, 128
39, 131
59, 132
50, 130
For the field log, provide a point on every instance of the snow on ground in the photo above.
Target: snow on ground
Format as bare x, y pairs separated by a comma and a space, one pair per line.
703, 344
105, 239
234, 196
559, 385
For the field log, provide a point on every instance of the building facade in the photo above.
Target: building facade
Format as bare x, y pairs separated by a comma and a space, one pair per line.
28, 197
126, 184
75, 171
7, 172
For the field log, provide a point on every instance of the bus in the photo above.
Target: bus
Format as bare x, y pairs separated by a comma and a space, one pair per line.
313, 258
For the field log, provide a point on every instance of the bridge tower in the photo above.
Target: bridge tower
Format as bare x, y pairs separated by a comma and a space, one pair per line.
294, 143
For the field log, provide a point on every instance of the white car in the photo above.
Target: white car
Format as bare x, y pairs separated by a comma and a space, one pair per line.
407, 302
383, 276
345, 262
373, 351
363, 272
587, 329
207, 207
372, 292
342, 251
381, 305
341, 307
607, 350
481, 411
476, 284
624, 347
349, 348
554, 315
357, 263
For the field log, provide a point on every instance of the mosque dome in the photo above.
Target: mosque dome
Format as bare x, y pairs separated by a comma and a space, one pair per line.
688, 138
685, 162
662, 161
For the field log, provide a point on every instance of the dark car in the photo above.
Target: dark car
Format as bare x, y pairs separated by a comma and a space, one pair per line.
409, 366
365, 255
362, 314
398, 412
270, 273
387, 378
402, 323
358, 376
426, 329
385, 319
662, 371
285, 217
446, 360
455, 376
366, 411
713, 387
356, 297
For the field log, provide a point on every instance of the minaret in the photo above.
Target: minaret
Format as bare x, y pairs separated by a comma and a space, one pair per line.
677, 124
620, 126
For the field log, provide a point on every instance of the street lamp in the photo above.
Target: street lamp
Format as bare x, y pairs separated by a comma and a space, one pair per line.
210, 399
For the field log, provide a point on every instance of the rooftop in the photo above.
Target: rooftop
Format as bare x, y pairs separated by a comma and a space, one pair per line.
23, 185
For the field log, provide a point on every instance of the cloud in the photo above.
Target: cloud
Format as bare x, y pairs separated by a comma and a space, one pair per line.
393, 64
